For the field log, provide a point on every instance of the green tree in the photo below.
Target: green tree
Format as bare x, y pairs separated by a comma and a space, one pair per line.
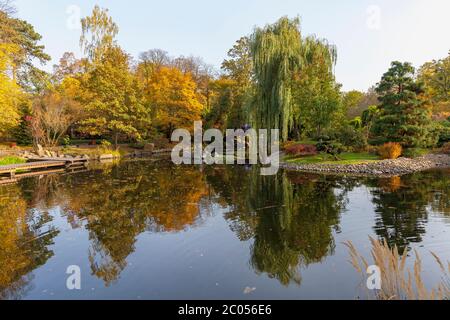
238, 67
113, 104
368, 118
98, 33
436, 77
403, 117
112, 100
317, 95
350, 101
25, 39
369, 98
279, 53
223, 105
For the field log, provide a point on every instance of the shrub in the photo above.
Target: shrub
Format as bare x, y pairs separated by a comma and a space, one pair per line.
373, 149
353, 138
390, 150
446, 148
414, 152
138, 145
22, 133
106, 144
66, 141
331, 147
161, 142
287, 144
301, 150
443, 133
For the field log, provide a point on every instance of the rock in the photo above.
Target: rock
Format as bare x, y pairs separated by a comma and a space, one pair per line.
149, 147
106, 157
40, 151
86, 157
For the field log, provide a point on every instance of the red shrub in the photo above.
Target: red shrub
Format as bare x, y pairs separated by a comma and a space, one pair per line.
301, 150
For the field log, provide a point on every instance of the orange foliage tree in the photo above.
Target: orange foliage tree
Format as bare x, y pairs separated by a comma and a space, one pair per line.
173, 99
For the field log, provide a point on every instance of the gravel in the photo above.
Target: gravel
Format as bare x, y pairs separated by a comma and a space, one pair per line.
400, 166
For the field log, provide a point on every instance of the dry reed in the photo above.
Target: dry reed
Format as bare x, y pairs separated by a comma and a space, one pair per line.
397, 281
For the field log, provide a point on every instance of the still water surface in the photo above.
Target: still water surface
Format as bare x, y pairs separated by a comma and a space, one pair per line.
150, 230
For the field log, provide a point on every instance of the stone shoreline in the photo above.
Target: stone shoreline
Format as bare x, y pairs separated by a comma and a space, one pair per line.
383, 168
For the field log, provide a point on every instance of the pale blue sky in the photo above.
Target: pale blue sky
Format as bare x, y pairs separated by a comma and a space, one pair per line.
369, 34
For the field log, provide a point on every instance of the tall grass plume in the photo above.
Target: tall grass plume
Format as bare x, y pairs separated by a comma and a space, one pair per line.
397, 281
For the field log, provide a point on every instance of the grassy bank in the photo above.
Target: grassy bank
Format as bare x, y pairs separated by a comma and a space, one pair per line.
345, 158
93, 151
4, 161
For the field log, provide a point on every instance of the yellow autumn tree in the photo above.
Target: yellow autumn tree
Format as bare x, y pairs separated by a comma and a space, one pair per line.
9, 92
173, 99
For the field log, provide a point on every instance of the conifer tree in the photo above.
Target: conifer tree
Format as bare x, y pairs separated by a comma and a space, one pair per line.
403, 117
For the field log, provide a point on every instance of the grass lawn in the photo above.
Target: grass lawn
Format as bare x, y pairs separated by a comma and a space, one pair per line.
345, 158
4, 161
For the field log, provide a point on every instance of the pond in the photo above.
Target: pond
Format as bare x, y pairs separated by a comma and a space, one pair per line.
152, 230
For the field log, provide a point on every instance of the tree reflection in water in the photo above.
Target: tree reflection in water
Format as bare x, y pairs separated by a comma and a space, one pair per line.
289, 219
402, 205
24, 242
119, 204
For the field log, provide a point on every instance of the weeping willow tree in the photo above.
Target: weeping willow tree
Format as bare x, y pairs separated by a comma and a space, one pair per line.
279, 54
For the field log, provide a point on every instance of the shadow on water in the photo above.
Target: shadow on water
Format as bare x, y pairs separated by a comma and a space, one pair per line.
290, 219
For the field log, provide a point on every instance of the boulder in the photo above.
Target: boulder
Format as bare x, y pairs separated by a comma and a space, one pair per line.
106, 157
40, 151
149, 147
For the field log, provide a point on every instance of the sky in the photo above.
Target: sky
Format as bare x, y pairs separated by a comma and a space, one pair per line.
369, 34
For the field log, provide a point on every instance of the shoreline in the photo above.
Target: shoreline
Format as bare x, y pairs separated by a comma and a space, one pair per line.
382, 168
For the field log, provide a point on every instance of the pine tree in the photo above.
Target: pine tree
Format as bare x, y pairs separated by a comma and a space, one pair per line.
403, 117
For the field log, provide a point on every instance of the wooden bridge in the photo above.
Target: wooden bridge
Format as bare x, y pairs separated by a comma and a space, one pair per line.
46, 165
